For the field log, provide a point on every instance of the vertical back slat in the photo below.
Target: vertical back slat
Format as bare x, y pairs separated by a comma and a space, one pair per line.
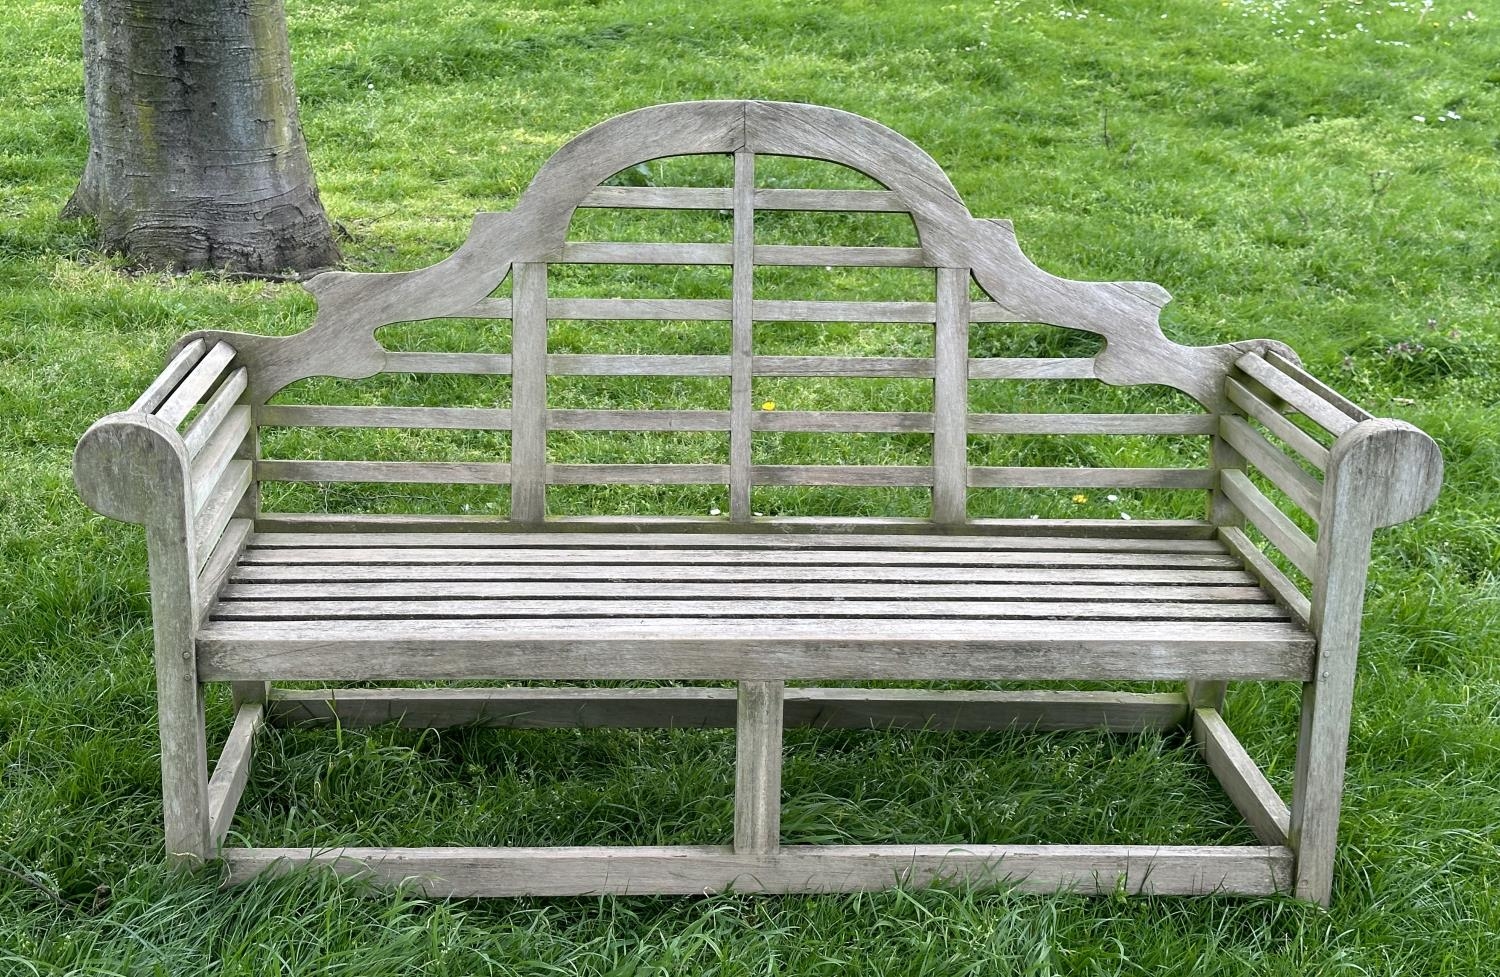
950, 397
528, 444
741, 336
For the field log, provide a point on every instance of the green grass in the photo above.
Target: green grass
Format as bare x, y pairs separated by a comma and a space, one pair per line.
1259, 158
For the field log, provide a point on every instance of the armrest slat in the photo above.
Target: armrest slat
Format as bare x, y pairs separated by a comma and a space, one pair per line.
1275, 422
207, 422
1309, 402
167, 380
199, 382
1283, 472
1284, 534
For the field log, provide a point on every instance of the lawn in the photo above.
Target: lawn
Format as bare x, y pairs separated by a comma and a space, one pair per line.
1326, 174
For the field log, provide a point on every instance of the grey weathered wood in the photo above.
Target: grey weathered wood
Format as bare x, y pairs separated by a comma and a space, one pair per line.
950, 398
894, 526
1084, 869
438, 418
1254, 797
219, 565
843, 366
180, 365
829, 200
1276, 422
436, 472
1280, 470
1032, 368
1168, 424
659, 198
707, 556
748, 605
232, 771
606, 365
637, 420
528, 438
135, 468
741, 341
1274, 524
685, 310
340, 582
622, 253
822, 311
684, 648
696, 707
208, 468
1295, 371
1317, 408
841, 475
220, 507
636, 474
857, 257
214, 412
757, 767
498, 364
745, 537
196, 384
1024, 477
842, 421
753, 599
1380, 472
1268, 574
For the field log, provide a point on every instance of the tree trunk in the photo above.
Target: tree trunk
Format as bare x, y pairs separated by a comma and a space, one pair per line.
196, 157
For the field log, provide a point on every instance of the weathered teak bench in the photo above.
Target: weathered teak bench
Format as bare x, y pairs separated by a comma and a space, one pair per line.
245, 596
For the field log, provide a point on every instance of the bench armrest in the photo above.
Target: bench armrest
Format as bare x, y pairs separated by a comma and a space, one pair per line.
1377, 472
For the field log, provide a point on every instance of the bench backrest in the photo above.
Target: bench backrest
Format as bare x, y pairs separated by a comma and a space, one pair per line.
975, 274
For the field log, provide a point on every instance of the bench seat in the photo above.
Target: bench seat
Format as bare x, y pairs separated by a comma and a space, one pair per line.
717, 606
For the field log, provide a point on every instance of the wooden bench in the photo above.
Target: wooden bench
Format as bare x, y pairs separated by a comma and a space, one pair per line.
246, 596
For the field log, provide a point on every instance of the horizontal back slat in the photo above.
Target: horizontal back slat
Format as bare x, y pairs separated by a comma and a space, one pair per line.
852, 257
440, 418
1038, 477
429, 472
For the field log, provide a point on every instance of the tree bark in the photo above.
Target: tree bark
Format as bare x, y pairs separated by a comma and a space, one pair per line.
196, 156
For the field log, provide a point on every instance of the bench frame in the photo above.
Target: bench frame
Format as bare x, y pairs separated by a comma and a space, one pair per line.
195, 489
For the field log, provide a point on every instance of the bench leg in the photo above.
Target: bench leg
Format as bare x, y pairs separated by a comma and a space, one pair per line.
184, 768
1205, 694
757, 769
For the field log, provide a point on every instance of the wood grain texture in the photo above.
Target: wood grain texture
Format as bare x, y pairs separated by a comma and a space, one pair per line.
950, 399
232, 771
693, 649
436, 418
214, 412
196, 384
1380, 472
757, 767
1084, 869
183, 359
741, 342
528, 437
698, 708
1274, 524
1274, 464
420, 472
1276, 422
1254, 797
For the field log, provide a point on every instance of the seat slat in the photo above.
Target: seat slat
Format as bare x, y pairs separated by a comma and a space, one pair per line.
253, 585
376, 608
716, 557
758, 541
710, 649
769, 573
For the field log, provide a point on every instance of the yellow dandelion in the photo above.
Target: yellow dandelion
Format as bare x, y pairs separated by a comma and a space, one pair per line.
768, 405
1080, 499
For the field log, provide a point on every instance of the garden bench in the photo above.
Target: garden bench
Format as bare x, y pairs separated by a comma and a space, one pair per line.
244, 595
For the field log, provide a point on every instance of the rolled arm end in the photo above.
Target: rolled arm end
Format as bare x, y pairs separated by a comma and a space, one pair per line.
130, 466
1394, 469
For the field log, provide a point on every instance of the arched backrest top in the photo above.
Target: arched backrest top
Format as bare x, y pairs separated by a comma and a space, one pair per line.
768, 128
